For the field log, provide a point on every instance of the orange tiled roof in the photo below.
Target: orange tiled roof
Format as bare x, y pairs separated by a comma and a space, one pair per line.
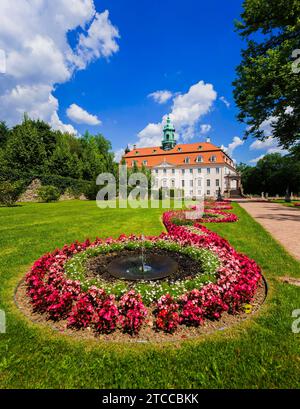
156, 155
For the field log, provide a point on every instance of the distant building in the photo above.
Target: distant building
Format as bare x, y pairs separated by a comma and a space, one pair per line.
197, 169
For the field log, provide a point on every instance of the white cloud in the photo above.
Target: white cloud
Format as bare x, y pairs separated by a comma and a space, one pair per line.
161, 96
186, 112
80, 116
205, 128
118, 154
99, 41
269, 145
33, 34
256, 159
224, 100
151, 135
236, 142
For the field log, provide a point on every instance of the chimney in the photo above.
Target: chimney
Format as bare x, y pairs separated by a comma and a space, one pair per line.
134, 146
208, 139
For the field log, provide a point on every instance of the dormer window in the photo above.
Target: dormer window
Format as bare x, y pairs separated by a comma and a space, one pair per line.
213, 158
199, 159
187, 159
199, 147
154, 150
136, 152
179, 150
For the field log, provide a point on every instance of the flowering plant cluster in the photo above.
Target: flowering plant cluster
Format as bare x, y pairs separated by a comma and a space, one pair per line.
166, 314
297, 204
209, 216
62, 296
225, 205
133, 312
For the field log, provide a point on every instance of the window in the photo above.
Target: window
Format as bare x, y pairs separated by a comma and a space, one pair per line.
199, 192
182, 183
173, 182
208, 171
191, 171
208, 192
156, 170
173, 171
213, 158
191, 183
199, 159
199, 147
154, 150
187, 159
136, 152
165, 171
167, 137
217, 171
199, 170
199, 182
217, 182
145, 162
164, 182
179, 150
208, 182
182, 171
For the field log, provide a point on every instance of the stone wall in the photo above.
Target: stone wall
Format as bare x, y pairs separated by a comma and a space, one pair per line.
31, 192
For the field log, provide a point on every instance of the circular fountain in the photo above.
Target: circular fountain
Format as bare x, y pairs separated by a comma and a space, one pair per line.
138, 267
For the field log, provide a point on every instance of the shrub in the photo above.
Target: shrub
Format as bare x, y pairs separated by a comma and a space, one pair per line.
48, 194
10, 192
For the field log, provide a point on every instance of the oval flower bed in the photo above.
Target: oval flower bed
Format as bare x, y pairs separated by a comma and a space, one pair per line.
59, 289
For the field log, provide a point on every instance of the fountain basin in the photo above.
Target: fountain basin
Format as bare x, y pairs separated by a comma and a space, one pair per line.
154, 267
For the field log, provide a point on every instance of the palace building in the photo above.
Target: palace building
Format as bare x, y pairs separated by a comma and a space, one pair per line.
196, 169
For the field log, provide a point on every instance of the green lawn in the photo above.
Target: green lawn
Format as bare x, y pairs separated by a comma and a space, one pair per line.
259, 353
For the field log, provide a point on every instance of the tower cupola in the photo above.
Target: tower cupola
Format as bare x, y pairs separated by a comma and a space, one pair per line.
168, 141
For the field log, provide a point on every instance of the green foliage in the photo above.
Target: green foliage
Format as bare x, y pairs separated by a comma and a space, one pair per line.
34, 149
272, 174
10, 192
266, 88
4, 132
48, 194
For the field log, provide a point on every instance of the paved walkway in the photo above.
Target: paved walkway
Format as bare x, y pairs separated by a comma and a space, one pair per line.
281, 221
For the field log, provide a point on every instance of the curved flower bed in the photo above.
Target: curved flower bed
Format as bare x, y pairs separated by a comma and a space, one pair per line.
54, 292
225, 205
209, 216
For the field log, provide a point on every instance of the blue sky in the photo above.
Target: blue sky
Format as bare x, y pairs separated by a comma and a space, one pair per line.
118, 59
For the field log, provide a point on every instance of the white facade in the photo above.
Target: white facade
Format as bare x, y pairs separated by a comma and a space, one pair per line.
193, 180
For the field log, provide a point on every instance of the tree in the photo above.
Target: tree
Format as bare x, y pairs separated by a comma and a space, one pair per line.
4, 132
25, 150
266, 88
272, 174
63, 162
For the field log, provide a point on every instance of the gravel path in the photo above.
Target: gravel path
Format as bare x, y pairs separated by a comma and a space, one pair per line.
281, 221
